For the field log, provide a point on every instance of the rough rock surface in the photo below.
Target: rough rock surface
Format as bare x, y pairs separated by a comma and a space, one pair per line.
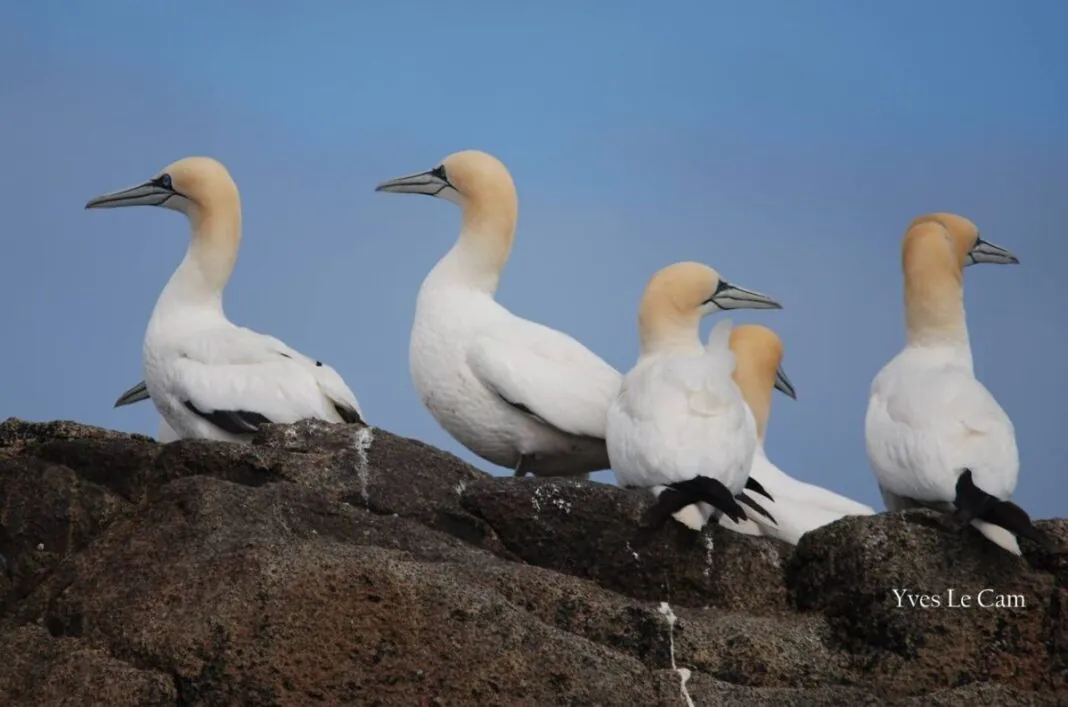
329, 564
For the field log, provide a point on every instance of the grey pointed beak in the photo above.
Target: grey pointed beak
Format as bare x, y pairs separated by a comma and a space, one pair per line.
783, 384
728, 296
134, 395
985, 252
147, 194
427, 183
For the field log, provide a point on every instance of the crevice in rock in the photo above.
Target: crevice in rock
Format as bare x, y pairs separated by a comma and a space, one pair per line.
471, 530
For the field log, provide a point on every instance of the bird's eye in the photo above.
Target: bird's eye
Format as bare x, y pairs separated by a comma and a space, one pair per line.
439, 172
166, 181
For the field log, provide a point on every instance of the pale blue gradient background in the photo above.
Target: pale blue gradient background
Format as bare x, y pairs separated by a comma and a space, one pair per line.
788, 144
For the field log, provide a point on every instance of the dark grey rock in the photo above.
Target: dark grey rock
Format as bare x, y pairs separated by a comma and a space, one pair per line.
338, 564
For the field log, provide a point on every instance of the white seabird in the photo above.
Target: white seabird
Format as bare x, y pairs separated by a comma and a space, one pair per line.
514, 392
679, 425
798, 507
935, 436
207, 377
138, 393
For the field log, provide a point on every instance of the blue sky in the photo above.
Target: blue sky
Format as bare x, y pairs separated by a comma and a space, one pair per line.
786, 144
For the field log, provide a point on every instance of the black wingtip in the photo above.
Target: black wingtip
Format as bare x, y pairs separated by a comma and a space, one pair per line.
669, 502
973, 502
713, 492
235, 422
1016, 520
747, 500
348, 414
756, 487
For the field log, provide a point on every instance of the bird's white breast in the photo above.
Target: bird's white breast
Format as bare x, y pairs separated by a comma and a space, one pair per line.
928, 419
447, 321
656, 437
160, 356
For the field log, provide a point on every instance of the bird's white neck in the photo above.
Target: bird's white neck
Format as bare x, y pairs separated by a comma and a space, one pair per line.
928, 355
198, 283
477, 258
467, 265
487, 231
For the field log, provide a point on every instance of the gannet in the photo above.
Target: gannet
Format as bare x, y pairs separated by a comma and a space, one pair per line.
679, 424
935, 436
207, 377
798, 507
514, 392
138, 393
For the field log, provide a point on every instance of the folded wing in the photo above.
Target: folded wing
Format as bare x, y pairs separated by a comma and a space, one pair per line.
547, 375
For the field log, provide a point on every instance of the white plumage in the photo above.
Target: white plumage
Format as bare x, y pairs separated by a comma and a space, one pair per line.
797, 507
165, 433
548, 372
207, 377
228, 368
514, 392
508, 389
929, 421
136, 394
929, 418
679, 415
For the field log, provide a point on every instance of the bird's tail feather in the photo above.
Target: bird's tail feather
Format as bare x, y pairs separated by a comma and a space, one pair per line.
998, 535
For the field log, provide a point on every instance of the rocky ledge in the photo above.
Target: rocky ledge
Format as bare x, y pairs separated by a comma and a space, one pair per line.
345, 565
